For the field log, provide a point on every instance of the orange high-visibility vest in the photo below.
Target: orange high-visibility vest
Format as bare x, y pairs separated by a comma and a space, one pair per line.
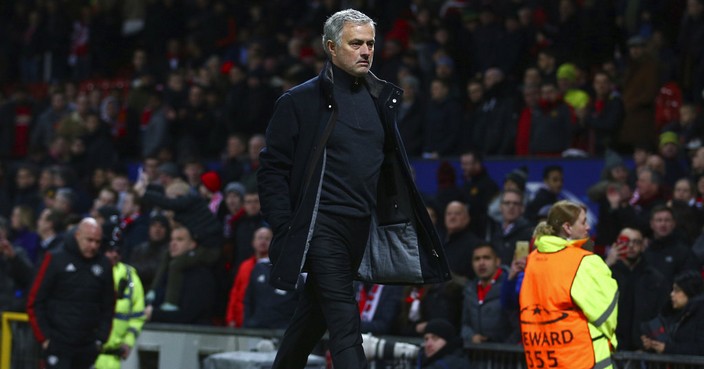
554, 331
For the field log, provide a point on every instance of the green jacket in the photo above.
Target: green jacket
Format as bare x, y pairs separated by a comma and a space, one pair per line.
129, 315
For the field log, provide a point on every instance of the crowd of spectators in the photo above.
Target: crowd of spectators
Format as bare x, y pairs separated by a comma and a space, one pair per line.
184, 89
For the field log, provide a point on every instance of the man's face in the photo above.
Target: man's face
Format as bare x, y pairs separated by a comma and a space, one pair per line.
668, 150
662, 223
120, 184
432, 344
262, 240
548, 93
233, 202
251, 204
181, 242
58, 102
511, 207
235, 147
475, 92
602, 85
196, 96
698, 160
193, 171
256, 144
43, 223
682, 191
24, 178
636, 52
636, 245
129, 207
355, 53
456, 217
645, 184
157, 232
694, 8
62, 204
554, 181
438, 91
546, 62
150, 168
485, 263
470, 165
88, 237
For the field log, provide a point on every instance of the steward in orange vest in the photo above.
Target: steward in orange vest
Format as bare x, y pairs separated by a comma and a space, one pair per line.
568, 306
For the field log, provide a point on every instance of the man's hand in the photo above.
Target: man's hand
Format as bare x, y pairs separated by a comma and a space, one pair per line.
651, 344
615, 252
6, 249
45, 344
125, 351
141, 186
613, 195
148, 312
517, 266
478, 338
420, 327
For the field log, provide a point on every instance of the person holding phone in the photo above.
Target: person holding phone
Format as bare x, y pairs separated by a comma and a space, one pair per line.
568, 300
642, 288
684, 318
513, 229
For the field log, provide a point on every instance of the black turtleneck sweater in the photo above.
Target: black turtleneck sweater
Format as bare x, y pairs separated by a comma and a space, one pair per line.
671, 256
354, 152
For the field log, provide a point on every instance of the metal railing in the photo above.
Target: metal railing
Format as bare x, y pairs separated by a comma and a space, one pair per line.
186, 345
18, 349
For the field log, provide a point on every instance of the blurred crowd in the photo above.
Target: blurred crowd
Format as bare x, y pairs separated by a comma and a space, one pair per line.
184, 89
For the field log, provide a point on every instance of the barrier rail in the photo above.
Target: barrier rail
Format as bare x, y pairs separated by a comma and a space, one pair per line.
15, 327
184, 346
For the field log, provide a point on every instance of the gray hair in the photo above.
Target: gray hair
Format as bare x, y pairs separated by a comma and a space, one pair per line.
332, 30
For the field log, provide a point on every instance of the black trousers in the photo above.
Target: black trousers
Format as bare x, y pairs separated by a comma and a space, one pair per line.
328, 300
60, 357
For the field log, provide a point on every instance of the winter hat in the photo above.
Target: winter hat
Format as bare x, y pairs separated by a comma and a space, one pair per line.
109, 213
669, 137
519, 176
235, 187
567, 71
690, 282
161, 218
612, 160
211, 181
441, 328
169, 168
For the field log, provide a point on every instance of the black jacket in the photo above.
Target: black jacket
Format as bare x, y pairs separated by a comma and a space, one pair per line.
72, 299
266, 306
16, 276
671, 256
459, 248
686, 333
505, 244
643, 292
195, 305
289, 185
191, 211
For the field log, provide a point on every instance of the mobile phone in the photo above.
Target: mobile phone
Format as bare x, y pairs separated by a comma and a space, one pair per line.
623, 240
521, 250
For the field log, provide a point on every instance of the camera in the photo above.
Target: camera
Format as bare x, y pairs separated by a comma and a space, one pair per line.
376, 348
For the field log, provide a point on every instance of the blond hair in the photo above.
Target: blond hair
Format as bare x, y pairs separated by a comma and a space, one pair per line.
560, 213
